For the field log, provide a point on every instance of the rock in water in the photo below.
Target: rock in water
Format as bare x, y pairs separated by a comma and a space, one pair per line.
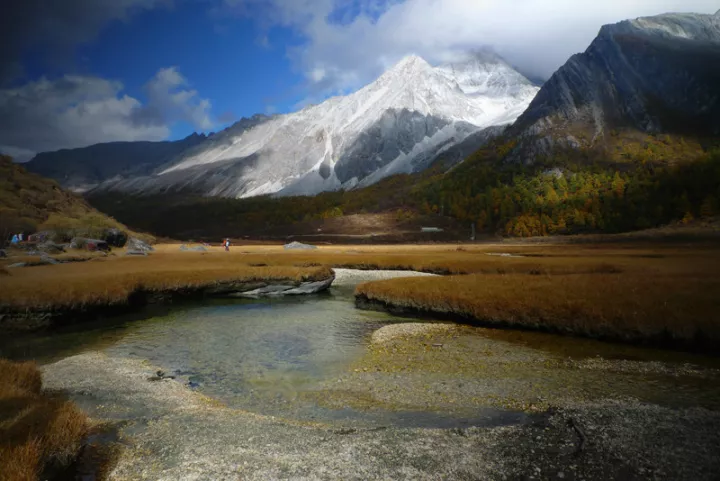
135, 244
133, 252
299, 245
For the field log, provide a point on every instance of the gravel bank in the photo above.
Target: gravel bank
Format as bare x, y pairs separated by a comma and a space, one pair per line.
396, 332
177, 434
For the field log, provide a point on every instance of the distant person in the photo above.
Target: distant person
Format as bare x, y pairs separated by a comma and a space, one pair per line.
21, 236
14, 239
227, 245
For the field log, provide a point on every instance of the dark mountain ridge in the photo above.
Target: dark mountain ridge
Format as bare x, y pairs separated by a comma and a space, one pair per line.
653, 75
83, 168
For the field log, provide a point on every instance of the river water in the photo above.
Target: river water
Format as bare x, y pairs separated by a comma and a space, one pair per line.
310, 359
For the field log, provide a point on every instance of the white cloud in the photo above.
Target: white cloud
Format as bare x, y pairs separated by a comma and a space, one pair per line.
536, 35
76, 111
169, 101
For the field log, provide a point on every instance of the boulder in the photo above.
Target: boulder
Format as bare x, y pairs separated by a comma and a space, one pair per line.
50, 247
299, 245
134, 244
115, 237
89, 244
193, 249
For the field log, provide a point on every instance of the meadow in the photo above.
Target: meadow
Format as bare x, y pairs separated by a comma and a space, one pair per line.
662, 293
659, 292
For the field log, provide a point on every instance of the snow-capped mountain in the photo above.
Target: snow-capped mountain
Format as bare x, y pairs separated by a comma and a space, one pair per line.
399, 123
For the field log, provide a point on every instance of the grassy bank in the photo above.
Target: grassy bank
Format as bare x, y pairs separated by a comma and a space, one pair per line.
487, 258
670, 303
113, 280
633, 291
37, 430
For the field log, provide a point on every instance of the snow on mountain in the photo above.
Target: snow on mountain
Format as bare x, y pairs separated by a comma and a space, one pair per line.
387, 127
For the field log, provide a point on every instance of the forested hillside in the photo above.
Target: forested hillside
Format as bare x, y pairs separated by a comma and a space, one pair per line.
644, 182
639, 185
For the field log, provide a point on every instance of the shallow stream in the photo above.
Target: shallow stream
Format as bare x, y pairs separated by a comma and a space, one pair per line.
310, 359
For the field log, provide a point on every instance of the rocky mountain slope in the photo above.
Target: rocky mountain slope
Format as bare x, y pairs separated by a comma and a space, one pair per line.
400, 123
84, 168
652, 75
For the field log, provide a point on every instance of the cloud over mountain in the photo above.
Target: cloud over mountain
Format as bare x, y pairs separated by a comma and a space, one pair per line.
349, 42
75, 111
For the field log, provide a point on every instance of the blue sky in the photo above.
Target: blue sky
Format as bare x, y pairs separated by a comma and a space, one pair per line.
228, 61
79, 72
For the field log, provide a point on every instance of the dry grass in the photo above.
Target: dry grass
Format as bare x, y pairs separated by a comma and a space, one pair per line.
615, 290
112, 280
474, 259
670, 296
37, 430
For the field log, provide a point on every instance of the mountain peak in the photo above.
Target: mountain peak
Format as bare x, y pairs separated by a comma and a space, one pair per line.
399, 123
411, 63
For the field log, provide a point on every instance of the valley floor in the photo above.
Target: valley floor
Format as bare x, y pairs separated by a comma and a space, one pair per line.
660, 292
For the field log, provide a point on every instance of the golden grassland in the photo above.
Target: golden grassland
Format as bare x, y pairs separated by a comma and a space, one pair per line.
37, 429
668, 294
476, 259
111, 280
622, 291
